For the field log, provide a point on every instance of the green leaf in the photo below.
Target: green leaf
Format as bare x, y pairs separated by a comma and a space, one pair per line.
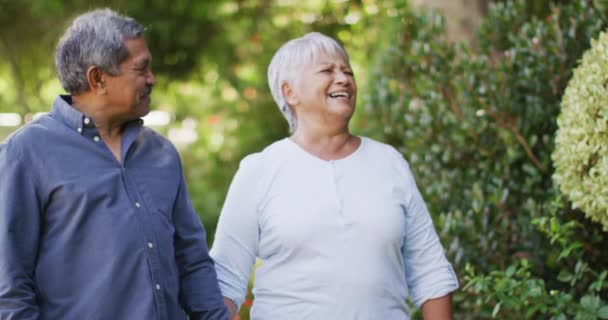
564, 276
590, 302
603, 312
496, 309
510, 271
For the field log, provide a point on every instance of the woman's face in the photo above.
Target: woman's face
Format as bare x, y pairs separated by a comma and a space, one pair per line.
324, 90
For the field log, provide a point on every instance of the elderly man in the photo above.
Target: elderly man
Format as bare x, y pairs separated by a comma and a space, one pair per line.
95, 217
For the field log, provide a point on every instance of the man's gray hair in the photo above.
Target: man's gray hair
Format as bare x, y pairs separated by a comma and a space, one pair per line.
95, 38
287, 61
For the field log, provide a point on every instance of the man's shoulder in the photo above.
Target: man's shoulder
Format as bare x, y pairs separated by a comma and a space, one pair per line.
152, 136
29, 137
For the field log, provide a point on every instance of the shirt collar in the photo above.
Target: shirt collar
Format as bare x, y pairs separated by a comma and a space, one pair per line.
63, 110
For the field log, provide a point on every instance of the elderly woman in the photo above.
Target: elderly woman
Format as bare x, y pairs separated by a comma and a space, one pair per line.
336, 219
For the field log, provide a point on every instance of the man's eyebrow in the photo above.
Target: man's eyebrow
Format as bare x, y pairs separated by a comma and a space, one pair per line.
143, 63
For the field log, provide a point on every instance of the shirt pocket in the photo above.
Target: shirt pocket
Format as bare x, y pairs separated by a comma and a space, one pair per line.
159, 189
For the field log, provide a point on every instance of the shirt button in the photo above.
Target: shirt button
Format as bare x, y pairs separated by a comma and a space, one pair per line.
137, 204
150, 245
157, 286
96, 138
87, 120
79, 129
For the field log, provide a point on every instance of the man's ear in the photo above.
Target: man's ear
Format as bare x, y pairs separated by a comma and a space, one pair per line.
96, 81
289, 94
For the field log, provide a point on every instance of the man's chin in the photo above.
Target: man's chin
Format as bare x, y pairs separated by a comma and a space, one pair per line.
141, 111
144, 111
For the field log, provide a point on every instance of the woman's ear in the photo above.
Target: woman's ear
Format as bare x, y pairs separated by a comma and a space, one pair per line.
96, 81
289, 94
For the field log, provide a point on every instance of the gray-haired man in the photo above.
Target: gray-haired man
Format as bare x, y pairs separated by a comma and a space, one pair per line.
95, 218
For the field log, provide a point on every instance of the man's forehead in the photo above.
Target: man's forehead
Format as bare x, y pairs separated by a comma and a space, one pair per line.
138, 50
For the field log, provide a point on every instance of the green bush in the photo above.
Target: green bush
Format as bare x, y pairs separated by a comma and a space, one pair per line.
581, 151
477, 124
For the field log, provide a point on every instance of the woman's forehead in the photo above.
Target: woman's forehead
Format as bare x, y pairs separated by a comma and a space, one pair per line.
321, 57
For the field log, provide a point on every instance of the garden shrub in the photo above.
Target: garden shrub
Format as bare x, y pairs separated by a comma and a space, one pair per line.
581, 143
477, 123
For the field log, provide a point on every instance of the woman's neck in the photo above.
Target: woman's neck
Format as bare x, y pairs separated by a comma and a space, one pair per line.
327, 146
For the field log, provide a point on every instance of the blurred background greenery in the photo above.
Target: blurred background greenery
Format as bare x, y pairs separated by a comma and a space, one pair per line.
468, 90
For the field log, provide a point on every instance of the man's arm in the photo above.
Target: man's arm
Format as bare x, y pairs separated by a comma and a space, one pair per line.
19, 236
200, 294
438, 308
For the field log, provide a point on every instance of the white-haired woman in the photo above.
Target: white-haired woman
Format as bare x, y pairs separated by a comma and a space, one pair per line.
336, 219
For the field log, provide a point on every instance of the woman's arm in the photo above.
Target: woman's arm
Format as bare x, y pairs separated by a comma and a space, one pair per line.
231, 307
438, 308
236, 238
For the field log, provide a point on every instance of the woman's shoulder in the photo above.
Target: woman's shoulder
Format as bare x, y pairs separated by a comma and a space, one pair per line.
380, 149
268, 157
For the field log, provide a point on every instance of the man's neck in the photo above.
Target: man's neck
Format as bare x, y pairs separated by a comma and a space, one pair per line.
110, 129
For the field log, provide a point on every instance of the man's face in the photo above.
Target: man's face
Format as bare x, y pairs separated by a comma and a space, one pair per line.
129, 92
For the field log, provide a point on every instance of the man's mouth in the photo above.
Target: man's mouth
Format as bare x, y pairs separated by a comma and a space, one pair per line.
147, 92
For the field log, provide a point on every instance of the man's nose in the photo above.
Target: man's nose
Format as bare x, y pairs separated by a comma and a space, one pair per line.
150, 80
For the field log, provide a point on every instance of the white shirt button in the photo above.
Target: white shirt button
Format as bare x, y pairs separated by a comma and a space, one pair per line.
137, 204
79, 129
87, 120
96, 138
157, 286
150, 245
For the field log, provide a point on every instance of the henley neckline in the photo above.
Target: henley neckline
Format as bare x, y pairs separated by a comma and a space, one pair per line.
352, 155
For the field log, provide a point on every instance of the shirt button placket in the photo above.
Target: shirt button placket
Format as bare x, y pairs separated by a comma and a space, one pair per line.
334, 181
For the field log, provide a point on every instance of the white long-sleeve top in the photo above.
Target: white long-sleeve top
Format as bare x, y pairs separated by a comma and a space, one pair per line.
341, 239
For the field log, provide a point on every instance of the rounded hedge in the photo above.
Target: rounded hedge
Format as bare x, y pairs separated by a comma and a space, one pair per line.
581, 144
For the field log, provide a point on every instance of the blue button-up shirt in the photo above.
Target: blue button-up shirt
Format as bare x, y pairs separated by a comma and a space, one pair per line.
83, 236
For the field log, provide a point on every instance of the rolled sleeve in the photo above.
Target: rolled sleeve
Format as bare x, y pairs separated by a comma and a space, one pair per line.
428, 273
19, 236
237, 235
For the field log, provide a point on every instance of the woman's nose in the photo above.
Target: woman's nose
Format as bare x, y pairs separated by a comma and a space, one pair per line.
341, 77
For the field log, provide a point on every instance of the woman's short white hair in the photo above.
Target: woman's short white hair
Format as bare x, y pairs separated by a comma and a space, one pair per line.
294, 54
